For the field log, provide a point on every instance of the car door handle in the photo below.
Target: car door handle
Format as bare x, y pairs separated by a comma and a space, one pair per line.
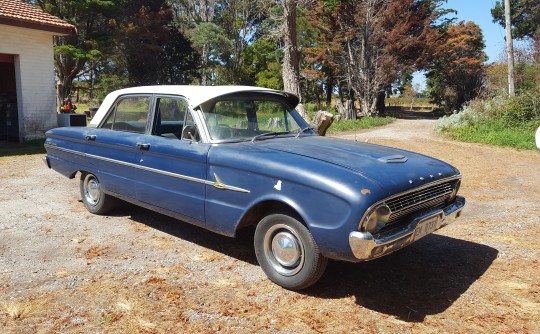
90, 137
144, 147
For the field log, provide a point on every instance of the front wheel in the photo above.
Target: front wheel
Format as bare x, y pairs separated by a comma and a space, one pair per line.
287, 252
94, 198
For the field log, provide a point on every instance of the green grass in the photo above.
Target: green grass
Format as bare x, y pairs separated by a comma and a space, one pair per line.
359, 124
496, 133
27, 148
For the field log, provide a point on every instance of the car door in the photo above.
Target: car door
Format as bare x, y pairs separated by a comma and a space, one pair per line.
174, 160
114, 147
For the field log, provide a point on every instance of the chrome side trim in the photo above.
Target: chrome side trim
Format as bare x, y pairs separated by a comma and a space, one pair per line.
217, 184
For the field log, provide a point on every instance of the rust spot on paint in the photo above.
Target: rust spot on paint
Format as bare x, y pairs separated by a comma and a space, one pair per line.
365, 191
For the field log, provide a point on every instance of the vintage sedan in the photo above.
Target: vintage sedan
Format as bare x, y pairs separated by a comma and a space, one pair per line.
227, 158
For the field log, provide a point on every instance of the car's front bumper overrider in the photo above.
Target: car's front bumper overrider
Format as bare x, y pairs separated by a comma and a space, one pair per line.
46, 161
366, 247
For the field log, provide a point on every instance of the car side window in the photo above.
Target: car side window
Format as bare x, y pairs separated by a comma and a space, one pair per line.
190, 131
170, 114
129, 114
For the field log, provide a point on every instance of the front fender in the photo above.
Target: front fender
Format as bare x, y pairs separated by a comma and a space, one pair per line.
330, 199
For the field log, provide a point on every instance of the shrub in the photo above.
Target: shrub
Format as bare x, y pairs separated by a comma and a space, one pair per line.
466, 118
499, 121
515, 111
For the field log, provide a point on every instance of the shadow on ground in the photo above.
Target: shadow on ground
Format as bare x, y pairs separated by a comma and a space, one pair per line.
414, 115
240, 247
15, 149
422, 279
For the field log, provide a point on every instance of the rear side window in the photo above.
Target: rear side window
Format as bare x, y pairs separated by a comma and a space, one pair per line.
129, 114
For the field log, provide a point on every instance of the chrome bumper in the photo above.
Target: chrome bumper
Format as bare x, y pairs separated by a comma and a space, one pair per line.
365, 247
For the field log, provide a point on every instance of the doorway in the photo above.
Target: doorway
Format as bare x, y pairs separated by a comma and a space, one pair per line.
9, 118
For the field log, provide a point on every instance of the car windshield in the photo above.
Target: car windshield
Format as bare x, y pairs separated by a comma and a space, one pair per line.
249, 118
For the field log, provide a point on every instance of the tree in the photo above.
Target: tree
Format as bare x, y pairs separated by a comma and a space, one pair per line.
262, 64
378, 40
458, 74
212, 44
78, 55
525, 20
155, 52
221, 30
525, 15
291, 62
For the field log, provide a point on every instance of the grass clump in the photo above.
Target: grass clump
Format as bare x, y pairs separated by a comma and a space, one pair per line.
510, 122
20, 310
359, 124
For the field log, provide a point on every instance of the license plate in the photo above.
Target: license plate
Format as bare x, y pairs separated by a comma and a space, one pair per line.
426, 226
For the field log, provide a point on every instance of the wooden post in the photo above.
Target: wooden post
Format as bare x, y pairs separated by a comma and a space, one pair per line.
509, 49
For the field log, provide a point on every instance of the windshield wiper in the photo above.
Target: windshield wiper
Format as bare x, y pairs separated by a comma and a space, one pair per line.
303, 130
272, 133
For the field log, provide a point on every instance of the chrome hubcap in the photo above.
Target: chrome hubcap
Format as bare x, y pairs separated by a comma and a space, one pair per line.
284, 249
92, 191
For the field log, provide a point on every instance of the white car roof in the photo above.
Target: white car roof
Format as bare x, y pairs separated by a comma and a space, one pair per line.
195, 95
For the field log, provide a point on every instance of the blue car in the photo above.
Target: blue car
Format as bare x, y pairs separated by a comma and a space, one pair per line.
230, 157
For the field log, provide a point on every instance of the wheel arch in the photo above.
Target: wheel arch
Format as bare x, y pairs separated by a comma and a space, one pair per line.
264, 208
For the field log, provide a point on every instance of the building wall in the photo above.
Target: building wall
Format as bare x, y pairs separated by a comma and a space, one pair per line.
34, 71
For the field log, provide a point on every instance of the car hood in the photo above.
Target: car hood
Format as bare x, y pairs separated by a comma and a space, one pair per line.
391, 168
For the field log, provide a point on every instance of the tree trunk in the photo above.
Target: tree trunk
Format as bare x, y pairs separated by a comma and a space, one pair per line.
323, 120
290, 71
380, 103
302, 111
329, 90
346, 110
320, 123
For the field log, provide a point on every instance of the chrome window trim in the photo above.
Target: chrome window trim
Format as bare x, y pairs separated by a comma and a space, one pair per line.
217, 184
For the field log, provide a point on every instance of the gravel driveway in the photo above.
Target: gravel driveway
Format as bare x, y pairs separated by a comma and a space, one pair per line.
65, 270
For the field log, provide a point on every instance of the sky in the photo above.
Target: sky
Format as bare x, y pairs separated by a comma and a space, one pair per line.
478, 11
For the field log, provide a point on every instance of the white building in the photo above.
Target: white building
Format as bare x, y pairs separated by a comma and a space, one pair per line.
27, 79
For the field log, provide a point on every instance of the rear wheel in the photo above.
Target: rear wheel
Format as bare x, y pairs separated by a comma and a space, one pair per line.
287, 252
93, 197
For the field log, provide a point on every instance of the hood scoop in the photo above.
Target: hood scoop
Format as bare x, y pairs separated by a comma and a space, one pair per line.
396, 158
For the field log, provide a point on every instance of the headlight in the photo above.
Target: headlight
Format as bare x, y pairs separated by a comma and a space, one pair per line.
377, 219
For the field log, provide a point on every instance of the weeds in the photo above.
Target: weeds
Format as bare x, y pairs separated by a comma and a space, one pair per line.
359, 124
21, 310
501, 122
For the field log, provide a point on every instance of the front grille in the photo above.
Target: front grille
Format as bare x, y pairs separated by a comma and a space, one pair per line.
428, 197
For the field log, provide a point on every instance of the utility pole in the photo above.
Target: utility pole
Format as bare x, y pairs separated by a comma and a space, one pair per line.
509, 49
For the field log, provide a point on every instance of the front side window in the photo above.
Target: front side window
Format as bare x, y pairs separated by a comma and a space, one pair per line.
170, 116
128, 114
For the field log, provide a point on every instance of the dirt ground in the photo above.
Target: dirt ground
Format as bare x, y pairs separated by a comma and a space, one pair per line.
64, 270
